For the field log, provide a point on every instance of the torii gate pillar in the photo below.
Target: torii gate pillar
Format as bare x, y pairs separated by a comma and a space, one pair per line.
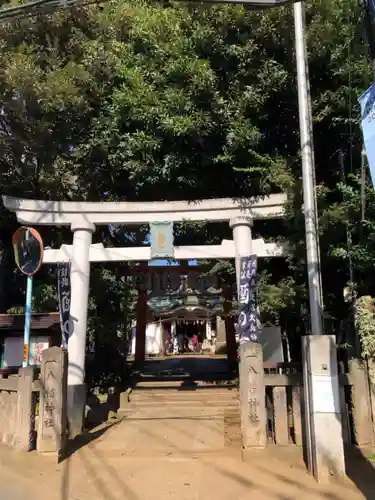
251, 376
140, 330
80, 281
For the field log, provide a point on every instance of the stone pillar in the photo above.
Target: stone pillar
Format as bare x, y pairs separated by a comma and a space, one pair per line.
324, 441
140, 328
208, 330
162, 338
25, 419
251, 373
220, 345
52, 424
362, 418
80, 281
173, 328
241, 227
252, 397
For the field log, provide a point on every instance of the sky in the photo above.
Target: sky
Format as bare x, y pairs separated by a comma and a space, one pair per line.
160, 262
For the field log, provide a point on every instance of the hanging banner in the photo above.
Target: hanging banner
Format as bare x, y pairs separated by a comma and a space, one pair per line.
64, 293
247, 328
161, 239
367, 102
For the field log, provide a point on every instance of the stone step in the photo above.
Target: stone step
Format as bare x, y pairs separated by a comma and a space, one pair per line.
197, 402
192, 401
189, 406
177, 385
220, 405
183, 394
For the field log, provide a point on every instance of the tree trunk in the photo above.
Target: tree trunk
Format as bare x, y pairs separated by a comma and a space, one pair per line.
6, 269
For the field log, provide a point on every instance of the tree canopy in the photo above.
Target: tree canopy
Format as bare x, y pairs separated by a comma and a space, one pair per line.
144, 100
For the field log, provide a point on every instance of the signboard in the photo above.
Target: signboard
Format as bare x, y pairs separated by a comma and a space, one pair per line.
367, 102
323, 394
28, 250
13, 348
64, 293
14, 351
25, 358
248, 316
37, 346
161, 239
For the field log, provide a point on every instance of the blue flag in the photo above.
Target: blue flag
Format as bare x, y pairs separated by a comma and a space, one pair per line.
367, 102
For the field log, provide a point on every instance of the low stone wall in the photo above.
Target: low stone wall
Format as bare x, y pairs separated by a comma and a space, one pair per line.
19, 395
17, 409
8, 412
284, 404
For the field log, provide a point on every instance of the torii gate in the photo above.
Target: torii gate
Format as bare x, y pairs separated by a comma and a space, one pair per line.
98, 253
82, 217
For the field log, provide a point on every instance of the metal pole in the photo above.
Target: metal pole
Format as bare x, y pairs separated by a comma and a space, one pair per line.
308, 172
363, 184
369, 21
26, 341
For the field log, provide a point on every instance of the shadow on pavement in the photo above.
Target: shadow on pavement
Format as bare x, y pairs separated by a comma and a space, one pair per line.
85, 439
360, 470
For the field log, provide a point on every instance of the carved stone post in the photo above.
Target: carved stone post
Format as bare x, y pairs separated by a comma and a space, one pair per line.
52, 427
252, 396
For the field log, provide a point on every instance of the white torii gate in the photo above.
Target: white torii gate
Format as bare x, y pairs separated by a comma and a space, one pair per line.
82, 217
98, 253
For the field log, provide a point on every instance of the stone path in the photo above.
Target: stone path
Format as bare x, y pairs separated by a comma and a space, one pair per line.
172, 457
183, 446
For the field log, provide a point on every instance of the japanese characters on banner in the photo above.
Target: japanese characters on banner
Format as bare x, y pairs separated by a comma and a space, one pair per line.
247, 301
63, 287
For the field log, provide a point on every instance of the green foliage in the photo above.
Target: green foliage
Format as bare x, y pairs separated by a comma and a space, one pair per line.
141, 100
275, 298
365, 325
364, 309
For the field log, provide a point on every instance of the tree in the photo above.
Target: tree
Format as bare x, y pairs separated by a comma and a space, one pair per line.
141, 100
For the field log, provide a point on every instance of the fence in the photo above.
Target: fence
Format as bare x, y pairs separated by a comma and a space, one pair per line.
18, 396
33, 410
284, 403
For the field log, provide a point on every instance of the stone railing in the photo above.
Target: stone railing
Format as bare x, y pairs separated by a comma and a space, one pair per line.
284, 403
17, 409
33, 411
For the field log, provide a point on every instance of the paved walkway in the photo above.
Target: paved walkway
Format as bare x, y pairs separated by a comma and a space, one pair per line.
172, 457
174, 451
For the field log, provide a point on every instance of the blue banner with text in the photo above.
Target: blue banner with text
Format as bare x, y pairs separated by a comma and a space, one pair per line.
367, 102
247, 325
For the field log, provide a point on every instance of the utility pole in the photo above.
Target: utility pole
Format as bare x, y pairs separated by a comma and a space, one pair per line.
369, 19
308, 172
321, 390
319, 356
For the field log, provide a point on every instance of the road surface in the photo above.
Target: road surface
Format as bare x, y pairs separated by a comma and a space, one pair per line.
9, 490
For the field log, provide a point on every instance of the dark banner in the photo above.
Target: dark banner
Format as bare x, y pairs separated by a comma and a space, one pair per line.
247, 301
63, 288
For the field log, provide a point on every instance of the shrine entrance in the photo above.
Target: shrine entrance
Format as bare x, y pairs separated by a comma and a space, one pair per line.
83, 217
182, 311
